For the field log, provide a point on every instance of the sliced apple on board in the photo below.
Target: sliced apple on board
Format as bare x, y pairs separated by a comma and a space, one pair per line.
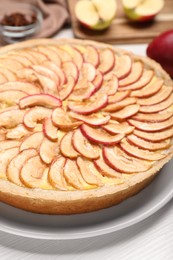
142, 10
95, 14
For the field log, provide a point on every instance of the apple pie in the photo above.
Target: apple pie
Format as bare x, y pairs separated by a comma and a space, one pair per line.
83, 125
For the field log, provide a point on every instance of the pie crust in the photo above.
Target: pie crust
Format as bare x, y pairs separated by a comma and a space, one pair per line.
87, 105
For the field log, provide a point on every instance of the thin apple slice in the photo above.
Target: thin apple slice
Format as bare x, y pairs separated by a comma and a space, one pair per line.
17, 132
9, 75
55, 175
105, 169
27, 87
38, 56
90, 120
11, 64
107, 60
3, 79
70, 69
154, 137
50, 65
88, 71
163, 94
82, 93
153, 118
73, 175
118, 96
123, 66
135, 75
75, 54
48, 150
149, 90
100, 136
97, 82
35, 115
63, 54
48, 85
15, 165
49, 130
157, 107
47, 73
44, 100
8, 144
120, 161
66, 146
27, 55
91, 55
140, 153
126, 112
51, 55
11, 118
94, 104
83, 146
5, 157
133, 139
11, 97
118, 128
21, 59
87, 175
32, 172
142, 82
121, 104
152, 127
110, 87
32, 141
67, 89
61, 119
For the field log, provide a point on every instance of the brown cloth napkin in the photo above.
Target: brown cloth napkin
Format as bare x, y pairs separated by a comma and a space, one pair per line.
55, 14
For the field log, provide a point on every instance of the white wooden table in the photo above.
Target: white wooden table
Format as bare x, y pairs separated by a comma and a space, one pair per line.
149, 239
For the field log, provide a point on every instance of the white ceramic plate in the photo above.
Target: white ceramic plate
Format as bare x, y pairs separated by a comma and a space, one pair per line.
131, 211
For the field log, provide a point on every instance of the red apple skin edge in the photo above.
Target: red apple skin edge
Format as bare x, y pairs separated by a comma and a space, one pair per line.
161, 50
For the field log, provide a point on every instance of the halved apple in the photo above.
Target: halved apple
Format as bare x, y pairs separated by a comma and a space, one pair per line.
66, 146
96, 14
142, 10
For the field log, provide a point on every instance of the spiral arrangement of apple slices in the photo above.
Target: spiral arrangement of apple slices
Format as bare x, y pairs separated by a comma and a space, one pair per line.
77, 117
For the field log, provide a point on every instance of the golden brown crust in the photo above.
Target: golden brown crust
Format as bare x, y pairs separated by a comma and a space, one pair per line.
72, 202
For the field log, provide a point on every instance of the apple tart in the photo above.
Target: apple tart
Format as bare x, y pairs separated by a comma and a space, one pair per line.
83, 126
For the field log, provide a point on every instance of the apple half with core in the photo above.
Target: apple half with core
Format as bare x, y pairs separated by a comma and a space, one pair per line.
96, 14
142, 10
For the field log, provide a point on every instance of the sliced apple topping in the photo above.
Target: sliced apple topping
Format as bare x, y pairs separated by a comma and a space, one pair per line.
91, 55
44, 100
140, 153
52, 66
48, 85
133, 139
100, 136
135, 74
70, 69
8, 144
32, 141
24, 53
154, 137
126, 112
63, 54
48, 150
30, 178
15, 165
3, 79
123, 66
49, 130
11, 64
94, 119
107, 60
87, 175
75, 55
118, 96
94, 104
27, 87
61, 119
5, 157
83, 146
46, 73
116, 128
35, 115
21, 59
149, 90
153, 118
67, 88
51, 55
73, 175
83, 93
55, 175
11, 117
87, 71
142, 82
17, 132
152, 127
38, 56
66, 146
121, 104
110, 87
9, 75
11, 97
121, 162
157, 107
163, 94
97, 82
105, 169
